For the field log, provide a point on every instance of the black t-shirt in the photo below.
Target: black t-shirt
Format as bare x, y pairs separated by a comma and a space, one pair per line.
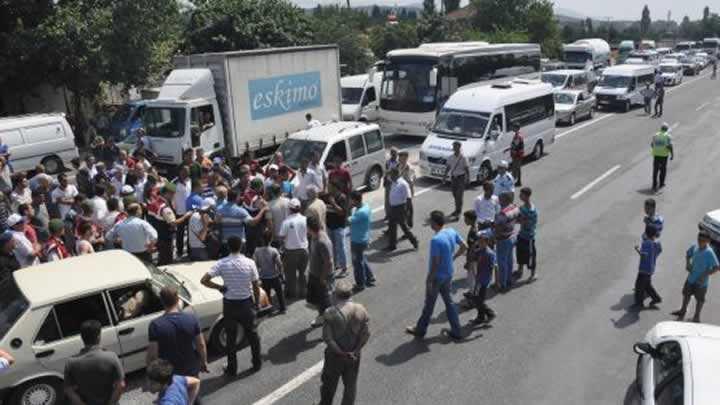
94, 373
175, 335
336, 220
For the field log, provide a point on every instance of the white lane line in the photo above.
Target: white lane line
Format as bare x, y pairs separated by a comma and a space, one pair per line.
587, 124
594, 182
291, 385
703, 105
675, 125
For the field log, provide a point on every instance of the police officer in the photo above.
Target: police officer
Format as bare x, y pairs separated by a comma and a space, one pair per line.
661, 149
161, 216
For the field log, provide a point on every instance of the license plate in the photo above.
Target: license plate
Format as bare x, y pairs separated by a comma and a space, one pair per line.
437, 171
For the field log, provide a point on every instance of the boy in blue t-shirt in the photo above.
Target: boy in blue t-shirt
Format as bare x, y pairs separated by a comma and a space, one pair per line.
171, 389
701, 262
649, 251
485, 261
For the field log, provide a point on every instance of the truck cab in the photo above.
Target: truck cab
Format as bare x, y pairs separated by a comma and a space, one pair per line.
185, 115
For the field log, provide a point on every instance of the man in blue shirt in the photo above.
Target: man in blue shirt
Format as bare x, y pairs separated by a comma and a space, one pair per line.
232, 218
701, 262
172, 389
359, 239
194, 200
446, 246
652, 219
649, 251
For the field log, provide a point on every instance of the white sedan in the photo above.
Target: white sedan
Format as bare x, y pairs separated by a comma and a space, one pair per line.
677, 364
572, 105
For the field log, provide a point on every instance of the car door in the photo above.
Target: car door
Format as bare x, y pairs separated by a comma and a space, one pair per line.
358, 161
133, 307
58, 338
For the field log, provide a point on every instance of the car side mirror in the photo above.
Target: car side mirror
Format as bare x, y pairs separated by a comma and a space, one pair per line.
644, 348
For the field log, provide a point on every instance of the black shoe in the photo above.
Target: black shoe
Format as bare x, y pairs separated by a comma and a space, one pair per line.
449, 334
411, 330
479, 320
655, 302
370, 283
230, 371
390, 249
415, 244
491, 316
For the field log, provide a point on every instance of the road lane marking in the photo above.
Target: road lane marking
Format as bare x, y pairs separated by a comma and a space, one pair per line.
291, 385
587, 124
675, 125
703, 105
594, 182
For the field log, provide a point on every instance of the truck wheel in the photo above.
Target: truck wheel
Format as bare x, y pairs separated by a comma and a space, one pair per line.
374, 179
218, 338
43, 391
538, 150
53, 165
485, 173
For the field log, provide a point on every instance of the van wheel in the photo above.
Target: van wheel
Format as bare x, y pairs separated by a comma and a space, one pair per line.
485, 173
537, 152
53, 165
627, 106
374, 179
43, 391
218, 338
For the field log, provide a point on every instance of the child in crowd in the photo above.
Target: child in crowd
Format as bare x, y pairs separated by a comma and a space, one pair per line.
171, 389
485, 261
270, 268
649, 251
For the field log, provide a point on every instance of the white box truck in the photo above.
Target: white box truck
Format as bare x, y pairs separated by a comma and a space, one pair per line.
595, 50
232, 102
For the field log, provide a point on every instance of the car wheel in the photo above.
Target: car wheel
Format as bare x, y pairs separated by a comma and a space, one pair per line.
627, 106
537, 152
218, 338
53, 165
374, 179
485, 173
43, 391
572, 119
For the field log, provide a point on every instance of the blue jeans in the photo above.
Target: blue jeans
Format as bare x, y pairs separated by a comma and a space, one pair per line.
505, 261
337, 237
441, 288
361, 270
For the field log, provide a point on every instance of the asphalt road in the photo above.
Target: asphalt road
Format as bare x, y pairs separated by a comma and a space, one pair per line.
563, 339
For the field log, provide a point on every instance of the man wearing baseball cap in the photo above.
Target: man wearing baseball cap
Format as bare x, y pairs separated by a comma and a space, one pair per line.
25, 253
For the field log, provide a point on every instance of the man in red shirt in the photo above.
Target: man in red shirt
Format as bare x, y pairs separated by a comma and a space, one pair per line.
339, 178
517, 153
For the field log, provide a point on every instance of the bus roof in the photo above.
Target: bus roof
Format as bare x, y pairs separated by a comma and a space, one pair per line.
487, 98
456, 49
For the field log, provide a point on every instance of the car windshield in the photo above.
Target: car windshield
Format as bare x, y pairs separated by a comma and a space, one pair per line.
351, 95
564, 98
555, 80
668, 69
295, 150
618, 82
461, 123
577, 57
406, 87
164, 122
165, 278
12, 305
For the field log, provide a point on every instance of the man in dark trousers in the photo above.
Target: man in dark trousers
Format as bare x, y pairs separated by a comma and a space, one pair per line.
399, 194
517, 154
241, 300
345, 333
662, 148
458, 170
659, 100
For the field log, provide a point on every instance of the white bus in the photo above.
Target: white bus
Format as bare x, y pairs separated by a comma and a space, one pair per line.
481, 118
416, 82
711, 46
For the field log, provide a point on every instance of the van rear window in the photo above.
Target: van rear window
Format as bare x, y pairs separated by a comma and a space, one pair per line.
12, 305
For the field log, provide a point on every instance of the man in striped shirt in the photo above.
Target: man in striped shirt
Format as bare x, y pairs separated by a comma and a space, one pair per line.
241, 300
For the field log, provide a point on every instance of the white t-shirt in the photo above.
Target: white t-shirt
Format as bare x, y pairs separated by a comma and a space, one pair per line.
182, 192
100, 210
108, 221
19, 198
304, 180
24, 250
84, 247
195, 226
294, 232
69, 192
486, 209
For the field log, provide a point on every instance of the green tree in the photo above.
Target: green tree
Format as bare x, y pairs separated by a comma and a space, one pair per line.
500, 14
342, 29
645, 21
385, 38
542, 28
224, 25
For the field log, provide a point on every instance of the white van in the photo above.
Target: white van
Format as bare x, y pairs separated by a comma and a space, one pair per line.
672, 72
570, 79
39, 138
620, 86
481, 117
359, 98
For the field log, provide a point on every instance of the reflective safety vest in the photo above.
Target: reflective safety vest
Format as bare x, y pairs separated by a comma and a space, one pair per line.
661, 144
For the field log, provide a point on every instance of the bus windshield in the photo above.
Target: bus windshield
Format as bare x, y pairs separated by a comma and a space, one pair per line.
461, 123
406, 87
617, 82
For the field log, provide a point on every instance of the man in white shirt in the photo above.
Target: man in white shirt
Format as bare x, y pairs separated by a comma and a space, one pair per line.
141, 179
458, 170
399, 195
311, 123
100, 209
64, 195
117, 180
135, 235
198, 229
504, 181
293, 233
319, 169
24, 251
305, 178
486, 207
183, 187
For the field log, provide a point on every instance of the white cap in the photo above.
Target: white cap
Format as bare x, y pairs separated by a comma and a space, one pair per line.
273, 167
127, 189
207, 204
503, 164
14, 219
295, 203
665, 126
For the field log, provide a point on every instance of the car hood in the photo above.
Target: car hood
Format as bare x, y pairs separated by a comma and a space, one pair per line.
437, 145
610, 91
190, 274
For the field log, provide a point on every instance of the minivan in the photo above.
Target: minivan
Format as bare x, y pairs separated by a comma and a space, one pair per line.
481, 118
360, 145
359, 98
620, 86
38, 138
571, 79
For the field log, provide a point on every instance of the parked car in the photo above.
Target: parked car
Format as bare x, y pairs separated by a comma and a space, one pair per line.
360, 145
42, 308
672, 73
677, 364
571, 105
690, 65
39, 138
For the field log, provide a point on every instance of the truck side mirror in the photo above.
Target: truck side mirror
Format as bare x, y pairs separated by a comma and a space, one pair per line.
433, 77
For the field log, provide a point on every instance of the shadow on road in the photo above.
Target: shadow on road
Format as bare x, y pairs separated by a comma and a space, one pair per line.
630, 315
286, 350
646, 191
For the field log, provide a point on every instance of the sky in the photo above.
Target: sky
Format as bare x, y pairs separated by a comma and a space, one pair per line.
615, 9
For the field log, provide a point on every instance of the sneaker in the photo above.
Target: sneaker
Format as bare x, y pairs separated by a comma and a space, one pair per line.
491, 316
342, 273
449, 334
415, 244
655, 302
411, 330
696, 319
371, 283
680, 315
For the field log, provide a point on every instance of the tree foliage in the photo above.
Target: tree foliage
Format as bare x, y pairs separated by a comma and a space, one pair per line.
542, 28
385, 38
224, 25
501, 14
346, 28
